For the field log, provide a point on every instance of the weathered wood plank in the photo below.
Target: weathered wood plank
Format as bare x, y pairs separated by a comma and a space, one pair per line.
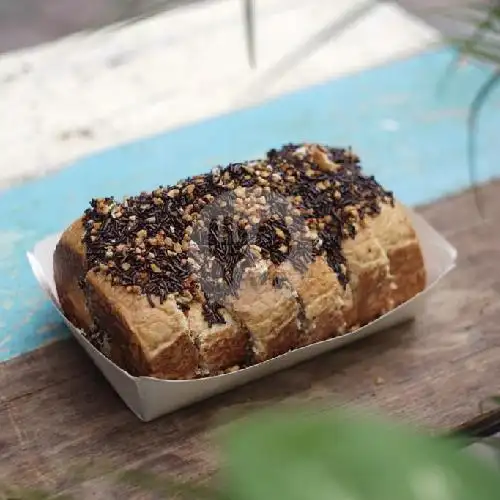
460, 210
57, 412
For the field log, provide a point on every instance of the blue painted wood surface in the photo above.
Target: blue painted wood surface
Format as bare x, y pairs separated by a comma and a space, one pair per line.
409, 134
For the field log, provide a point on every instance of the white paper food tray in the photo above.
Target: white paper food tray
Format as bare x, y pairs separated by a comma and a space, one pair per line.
150, 398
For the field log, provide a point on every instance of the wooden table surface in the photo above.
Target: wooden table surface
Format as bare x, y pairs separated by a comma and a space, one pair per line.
57, 412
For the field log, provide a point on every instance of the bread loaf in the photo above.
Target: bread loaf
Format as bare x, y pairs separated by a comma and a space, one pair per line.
239, 265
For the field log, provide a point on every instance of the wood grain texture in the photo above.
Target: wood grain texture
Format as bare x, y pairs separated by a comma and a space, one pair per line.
57, 412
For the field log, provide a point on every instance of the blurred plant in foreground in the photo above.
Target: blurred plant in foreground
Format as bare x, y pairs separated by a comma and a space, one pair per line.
334, 455
483, 45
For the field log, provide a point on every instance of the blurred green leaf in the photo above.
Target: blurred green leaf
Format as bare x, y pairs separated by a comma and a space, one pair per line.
492, 442
331, 455
484, 46
346, 456
474, 110
488, 24
485, 52
483, 20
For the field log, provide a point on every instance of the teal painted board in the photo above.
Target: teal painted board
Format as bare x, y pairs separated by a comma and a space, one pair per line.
411, 136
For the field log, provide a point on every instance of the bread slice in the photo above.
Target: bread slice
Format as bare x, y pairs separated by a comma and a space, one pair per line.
370, 278
325, 302
154, 341
396, 235
268, 314
220, 346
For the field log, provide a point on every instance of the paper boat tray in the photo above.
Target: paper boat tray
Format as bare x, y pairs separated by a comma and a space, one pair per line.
150, 398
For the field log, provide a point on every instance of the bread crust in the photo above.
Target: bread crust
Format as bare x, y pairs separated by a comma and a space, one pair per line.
153, 341
385, 266
396, 235
69, 274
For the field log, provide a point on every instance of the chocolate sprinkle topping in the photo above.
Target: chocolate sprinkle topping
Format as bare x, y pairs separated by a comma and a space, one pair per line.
193, 241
